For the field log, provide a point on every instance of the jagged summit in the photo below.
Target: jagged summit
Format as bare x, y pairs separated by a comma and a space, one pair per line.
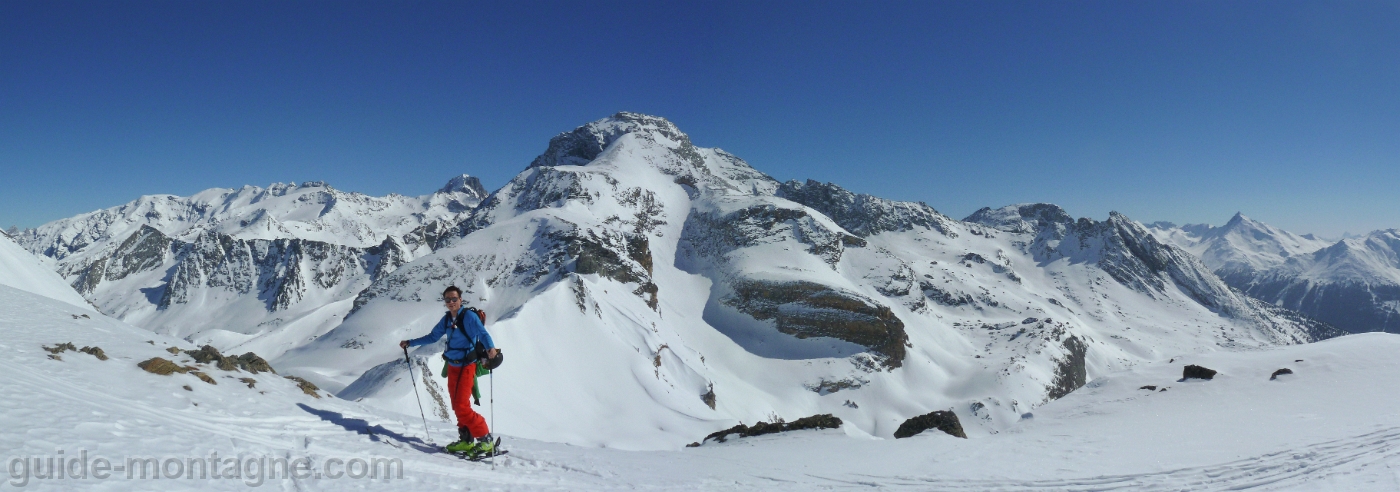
585, 143
464, 183
1021, 217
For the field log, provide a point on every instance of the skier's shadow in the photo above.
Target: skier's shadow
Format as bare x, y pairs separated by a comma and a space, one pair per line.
360, 426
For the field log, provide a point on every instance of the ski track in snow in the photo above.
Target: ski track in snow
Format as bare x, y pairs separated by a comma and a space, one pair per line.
1282, 470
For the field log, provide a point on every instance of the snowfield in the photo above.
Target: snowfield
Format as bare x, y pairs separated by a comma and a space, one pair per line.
1334, 424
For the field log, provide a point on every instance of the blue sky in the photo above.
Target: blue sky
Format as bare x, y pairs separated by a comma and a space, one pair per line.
1183, 111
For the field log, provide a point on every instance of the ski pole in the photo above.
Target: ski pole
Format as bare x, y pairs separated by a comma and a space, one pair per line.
416, 397
492, 375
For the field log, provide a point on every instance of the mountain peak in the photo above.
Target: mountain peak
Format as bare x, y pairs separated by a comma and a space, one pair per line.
464, 183
585, 143
1237, 219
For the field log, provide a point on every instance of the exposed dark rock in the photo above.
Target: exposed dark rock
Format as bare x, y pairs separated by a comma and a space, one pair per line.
307, 387
1149, 388
1197, 372
146, 249
944, 420
709, 396
826, 387
864, 215
203, 377
278, 271
944, 297
157, 365
712, 235
593, 255
249, 381
1071, 373
1280, 372
252, 363
173, 350
822, 421
95, 352
187, 388
808, 309
60, 348
1021, 218
210, 355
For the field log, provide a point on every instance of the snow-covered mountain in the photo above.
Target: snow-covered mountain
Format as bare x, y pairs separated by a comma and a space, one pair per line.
1353, 284
251, 269
678, 290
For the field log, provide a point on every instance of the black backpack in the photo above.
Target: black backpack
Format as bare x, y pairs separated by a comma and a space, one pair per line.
478, 353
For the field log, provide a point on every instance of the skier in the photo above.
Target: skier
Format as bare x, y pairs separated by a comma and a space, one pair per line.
468, 343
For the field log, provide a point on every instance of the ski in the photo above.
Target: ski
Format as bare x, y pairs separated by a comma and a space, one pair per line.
480, 457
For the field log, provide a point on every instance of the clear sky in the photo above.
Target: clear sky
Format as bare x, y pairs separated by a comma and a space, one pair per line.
1175, 110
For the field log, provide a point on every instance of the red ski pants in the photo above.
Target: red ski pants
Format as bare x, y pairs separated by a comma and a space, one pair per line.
459, 390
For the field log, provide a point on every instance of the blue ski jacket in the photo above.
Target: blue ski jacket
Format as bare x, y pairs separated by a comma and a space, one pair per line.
460, 343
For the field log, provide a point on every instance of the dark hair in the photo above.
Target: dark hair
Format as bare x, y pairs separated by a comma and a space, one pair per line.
452, 288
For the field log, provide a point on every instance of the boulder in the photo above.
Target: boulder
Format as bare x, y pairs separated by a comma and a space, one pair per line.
821, 421
1197, 372
943, 420
210, 355
95, 352
157, 365
252, 363
306, 386
1280, 372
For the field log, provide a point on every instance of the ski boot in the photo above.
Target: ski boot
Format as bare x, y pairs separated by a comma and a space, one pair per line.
464, 445
485, 446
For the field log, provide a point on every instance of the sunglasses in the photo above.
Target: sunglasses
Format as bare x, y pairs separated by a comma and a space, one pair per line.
451, 300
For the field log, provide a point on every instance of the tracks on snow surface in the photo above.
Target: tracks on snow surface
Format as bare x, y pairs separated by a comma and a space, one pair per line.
1278, 470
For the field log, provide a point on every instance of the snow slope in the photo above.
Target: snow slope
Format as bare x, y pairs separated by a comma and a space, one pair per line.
1325, 427
23, 271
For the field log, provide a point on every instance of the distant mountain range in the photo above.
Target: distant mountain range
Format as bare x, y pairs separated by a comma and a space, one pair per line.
640, 277
1353, 284
258, 269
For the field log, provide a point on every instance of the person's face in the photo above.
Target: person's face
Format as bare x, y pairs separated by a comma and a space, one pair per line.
452, 300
